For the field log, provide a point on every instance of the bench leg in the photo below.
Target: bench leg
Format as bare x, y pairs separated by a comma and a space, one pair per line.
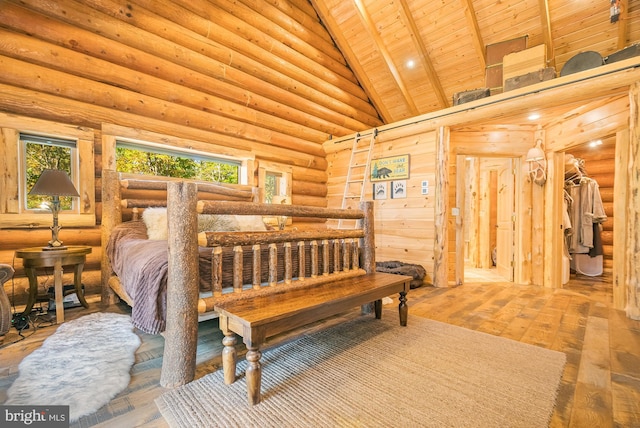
229, 357
254, 374
403, 308
377, 307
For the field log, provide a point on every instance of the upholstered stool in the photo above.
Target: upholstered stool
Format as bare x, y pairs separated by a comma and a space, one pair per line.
6, 273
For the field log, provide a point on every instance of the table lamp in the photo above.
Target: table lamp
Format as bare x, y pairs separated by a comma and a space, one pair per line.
56, 183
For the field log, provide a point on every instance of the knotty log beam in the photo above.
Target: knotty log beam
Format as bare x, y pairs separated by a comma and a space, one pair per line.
226, 239
238, 191
440, 247
181, 333
218, 207
111, 216
621, 189
633, 209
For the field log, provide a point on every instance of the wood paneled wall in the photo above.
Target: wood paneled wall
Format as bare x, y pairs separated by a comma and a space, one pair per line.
255, 77
469, 136
404, 227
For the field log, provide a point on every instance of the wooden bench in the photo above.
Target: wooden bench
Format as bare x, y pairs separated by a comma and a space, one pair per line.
309, 275
341, 276
256, 319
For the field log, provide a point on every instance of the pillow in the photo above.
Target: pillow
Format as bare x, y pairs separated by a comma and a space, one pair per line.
156, 221
217, 223
251, 223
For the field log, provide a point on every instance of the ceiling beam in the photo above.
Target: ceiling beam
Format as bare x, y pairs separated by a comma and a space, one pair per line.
545, 22
424, 55
379, 43
478, 43
333, 28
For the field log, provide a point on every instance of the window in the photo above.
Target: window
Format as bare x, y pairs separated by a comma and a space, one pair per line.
30, 145
275, 186
152, 160
40, 153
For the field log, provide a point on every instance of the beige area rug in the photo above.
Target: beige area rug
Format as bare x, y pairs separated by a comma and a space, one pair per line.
374, 373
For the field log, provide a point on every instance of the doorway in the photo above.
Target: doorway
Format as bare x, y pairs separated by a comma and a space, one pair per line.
489, 219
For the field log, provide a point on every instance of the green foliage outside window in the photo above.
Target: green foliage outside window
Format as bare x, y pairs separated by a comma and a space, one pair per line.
168, 165
39, 157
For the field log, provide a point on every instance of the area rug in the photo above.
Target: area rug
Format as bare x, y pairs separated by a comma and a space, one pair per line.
374, 373
84, 364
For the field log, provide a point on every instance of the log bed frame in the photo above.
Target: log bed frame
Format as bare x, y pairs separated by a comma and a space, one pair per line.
259, 310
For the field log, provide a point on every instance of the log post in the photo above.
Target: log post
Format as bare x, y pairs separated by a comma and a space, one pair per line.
368, 242
181, 334
461, 175
440, 247
633, 209
620, 188
111, 216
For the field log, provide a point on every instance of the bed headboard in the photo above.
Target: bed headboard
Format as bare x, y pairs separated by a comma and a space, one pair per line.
124, 194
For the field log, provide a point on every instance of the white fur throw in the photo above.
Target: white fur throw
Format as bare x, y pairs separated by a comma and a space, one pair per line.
251, 223
156, 221
217, 223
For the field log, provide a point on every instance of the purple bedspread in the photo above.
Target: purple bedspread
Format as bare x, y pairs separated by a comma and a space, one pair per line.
142, 265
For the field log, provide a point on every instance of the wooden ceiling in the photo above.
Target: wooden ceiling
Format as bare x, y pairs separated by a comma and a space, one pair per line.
447, 39
274, 78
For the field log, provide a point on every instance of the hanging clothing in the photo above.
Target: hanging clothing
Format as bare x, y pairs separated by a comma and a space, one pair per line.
585, 211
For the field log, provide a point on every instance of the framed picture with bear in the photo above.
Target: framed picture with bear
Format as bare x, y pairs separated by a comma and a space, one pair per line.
390, 168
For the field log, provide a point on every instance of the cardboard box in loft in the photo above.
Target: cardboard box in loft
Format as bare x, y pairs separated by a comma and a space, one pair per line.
523, 62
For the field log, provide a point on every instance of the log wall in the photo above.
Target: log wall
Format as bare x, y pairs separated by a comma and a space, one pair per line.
258, 78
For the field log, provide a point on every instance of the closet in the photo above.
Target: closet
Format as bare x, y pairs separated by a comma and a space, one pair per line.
583, 219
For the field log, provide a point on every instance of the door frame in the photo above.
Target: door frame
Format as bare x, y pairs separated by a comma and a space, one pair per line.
519, 255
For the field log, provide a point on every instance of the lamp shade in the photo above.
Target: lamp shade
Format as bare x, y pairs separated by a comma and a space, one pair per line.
54, 182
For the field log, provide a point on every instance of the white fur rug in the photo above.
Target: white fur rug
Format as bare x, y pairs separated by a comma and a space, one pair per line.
84, 364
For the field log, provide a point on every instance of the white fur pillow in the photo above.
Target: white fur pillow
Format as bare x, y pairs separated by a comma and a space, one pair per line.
157, 229
156, 221
251, 223
217, 223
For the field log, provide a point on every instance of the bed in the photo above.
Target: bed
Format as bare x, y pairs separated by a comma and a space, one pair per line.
136, 245
196, 269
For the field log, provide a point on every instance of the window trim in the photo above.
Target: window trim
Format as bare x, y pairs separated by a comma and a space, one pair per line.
24, 139
183, 152
286, 172
12, 211
112, 133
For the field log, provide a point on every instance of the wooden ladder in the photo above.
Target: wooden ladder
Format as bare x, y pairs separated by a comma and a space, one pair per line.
354, 186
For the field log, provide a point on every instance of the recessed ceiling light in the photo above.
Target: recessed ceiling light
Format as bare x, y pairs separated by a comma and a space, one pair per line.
411, 63
595, 143
534, 116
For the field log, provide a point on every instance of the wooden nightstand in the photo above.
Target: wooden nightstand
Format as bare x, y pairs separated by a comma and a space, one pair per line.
36, 257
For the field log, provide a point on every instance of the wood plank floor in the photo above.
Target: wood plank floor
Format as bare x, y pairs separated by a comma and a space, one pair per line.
600, 386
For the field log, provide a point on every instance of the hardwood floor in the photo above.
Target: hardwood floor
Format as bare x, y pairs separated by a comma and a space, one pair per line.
600, 386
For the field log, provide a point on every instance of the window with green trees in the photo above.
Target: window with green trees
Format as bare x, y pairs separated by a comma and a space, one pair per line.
151, 160
42, 153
